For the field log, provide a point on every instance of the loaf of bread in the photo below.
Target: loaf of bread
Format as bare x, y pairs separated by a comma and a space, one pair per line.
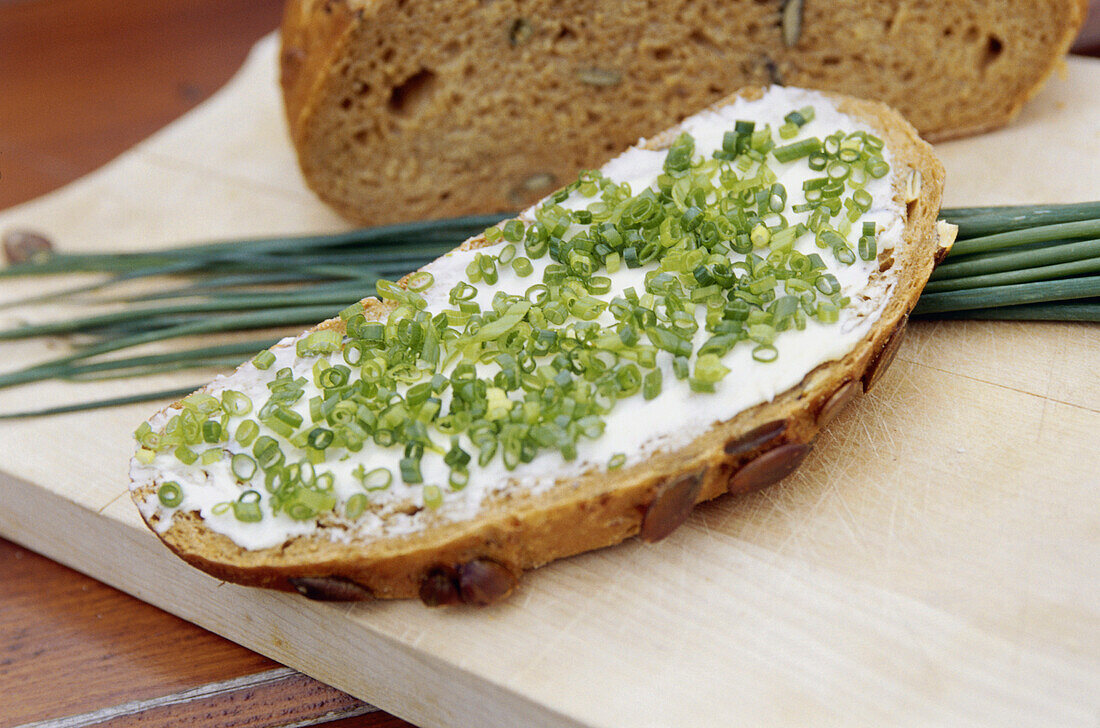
675, 327
407, 109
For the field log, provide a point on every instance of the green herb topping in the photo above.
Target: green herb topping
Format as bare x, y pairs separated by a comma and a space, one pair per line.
496, 375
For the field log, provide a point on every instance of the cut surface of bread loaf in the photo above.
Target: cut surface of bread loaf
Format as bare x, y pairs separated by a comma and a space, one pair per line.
413, 110
676, 326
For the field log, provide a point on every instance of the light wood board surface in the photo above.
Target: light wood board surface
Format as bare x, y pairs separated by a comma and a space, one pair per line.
936, 560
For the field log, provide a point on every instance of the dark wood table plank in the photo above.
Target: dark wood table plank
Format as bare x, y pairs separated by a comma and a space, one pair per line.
83, 80
86, 646
71, 647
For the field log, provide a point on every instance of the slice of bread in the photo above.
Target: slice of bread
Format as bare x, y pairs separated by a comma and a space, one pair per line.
472, 548
414, 110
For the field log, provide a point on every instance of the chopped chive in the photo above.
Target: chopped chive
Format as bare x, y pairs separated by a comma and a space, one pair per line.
247, 508
246, 432
264, 360
324, 341
169, 494
376, 479
420, 281
356, 506
185, 455
433, 496
243, 466
796, 150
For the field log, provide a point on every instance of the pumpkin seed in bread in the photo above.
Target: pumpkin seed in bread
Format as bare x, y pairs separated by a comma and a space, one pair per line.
414, 110
676, 326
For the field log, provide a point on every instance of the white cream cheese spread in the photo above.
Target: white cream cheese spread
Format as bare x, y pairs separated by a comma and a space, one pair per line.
633, 429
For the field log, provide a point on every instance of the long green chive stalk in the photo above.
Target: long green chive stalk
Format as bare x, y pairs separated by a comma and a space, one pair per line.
1085, 310
1012, 295
300, 316
1024, 262
1058, 232
980, 221
1002, 262
171, 361
228, 287
159, 395
406, 236
1022, 275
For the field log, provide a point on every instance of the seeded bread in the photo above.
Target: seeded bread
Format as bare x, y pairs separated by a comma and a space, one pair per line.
479, 560
406, 109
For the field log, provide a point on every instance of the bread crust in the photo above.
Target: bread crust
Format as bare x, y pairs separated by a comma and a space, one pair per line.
516, 532
397, 107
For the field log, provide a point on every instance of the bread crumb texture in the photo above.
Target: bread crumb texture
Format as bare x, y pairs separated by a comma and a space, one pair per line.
409, 109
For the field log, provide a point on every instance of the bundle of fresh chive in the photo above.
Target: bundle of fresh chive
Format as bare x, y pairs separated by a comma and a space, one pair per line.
275, 285
1022, 262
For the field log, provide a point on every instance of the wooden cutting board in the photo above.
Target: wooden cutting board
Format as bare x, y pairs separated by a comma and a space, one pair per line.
936, 560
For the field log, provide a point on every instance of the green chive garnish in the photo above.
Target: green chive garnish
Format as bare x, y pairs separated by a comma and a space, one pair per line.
356, 506
170, 494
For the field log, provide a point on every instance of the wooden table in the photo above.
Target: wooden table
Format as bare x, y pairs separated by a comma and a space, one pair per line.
84, 80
